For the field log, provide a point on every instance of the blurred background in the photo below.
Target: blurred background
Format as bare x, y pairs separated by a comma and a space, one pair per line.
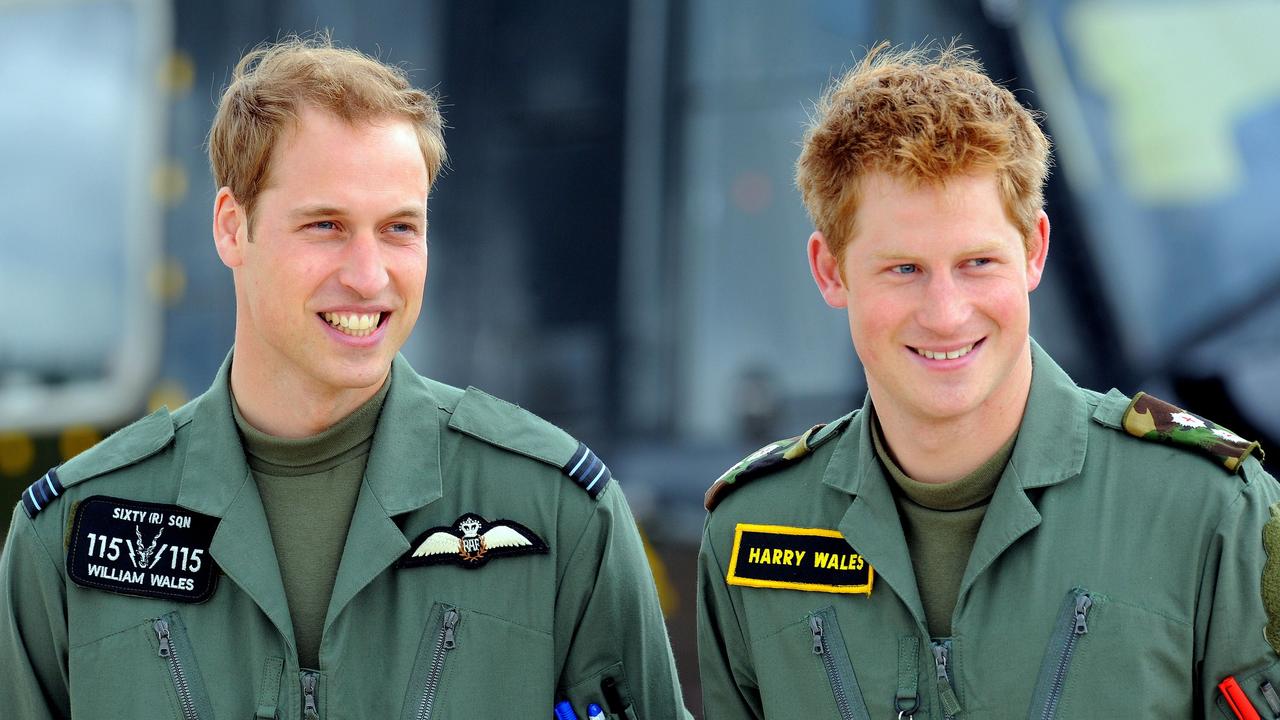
618, 244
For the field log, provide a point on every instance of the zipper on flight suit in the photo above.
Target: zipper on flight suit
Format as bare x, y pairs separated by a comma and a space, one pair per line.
946, 691
829, 645
1072, 624
169, 651
310, 708
837, 685
445, 641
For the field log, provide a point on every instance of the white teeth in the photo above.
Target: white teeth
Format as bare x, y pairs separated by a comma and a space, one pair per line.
952, 355
352, 323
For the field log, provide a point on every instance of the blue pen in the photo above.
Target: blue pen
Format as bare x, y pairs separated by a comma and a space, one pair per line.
564, 711
594, 712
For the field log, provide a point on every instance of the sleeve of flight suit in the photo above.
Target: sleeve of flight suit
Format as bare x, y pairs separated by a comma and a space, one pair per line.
1231, 614
33, 627
729, 687
607, 595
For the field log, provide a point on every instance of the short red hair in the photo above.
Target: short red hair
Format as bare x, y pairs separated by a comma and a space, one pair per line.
921, 115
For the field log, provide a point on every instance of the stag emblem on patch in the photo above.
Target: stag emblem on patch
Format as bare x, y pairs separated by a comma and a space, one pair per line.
144, 556
471, 541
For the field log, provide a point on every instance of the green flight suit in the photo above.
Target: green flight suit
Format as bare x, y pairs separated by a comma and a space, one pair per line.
500, 636
1112, 577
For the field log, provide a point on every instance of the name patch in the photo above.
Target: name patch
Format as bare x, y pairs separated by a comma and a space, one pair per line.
142, 549
792, 558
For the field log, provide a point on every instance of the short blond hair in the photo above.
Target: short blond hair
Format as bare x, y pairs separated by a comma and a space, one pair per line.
274, 82
922, 115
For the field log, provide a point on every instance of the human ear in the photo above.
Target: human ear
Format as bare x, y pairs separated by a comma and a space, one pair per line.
230, 228
1038, 253
825, 268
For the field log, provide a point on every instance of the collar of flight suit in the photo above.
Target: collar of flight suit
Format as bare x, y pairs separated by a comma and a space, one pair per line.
402, 474
1050, 449
403, 470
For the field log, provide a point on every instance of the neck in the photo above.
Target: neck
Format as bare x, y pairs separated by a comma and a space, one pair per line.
941, 450
286, 405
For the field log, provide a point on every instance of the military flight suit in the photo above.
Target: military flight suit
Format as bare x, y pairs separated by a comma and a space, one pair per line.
492, 567
1112, 577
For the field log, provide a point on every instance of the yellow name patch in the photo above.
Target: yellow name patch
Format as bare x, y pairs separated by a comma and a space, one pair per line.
792, 558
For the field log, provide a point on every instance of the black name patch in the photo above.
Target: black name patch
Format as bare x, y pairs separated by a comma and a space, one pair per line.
792, 558
142, 549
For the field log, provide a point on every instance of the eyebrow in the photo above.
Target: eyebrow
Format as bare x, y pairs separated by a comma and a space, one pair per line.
307, 211
989, 248
314, 210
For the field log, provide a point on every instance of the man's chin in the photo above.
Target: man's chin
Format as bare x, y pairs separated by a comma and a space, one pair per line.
940, 405
347, 376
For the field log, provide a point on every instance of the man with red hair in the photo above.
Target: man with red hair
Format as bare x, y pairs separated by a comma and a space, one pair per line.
982, 538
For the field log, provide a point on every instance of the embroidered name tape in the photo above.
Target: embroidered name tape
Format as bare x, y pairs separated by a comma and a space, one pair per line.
472, 541
792, 558
142, 549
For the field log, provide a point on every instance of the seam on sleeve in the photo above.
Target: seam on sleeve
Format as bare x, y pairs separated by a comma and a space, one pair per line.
1215, 537
720, 574
31, 527
595, 510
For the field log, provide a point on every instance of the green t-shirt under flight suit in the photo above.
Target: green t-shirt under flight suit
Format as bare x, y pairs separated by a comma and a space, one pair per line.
1112, 575
309, 488
491, 567
940, 522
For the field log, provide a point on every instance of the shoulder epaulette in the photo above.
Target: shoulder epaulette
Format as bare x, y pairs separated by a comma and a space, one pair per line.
772, 457
1150, 418
40, 493
132, 443
517, 430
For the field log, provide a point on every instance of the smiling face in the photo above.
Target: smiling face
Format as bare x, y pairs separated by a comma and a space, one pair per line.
936, 282
329, 278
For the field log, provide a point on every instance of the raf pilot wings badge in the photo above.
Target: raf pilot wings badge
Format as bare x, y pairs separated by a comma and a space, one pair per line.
471, 541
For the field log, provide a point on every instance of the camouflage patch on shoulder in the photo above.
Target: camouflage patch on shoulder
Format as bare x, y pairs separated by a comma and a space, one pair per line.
1271, 578
761, 462
1150, 418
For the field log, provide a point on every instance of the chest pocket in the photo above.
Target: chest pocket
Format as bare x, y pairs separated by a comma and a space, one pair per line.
1089, 668
145, 671
471, 664
809, 673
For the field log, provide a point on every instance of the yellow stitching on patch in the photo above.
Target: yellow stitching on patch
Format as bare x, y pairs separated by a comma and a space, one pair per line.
732, 577
786, 530
806, 587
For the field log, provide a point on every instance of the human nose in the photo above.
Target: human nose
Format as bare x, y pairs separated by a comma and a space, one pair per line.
946, 307
363, 269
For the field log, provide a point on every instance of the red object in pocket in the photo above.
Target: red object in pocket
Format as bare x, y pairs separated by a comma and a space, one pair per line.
1237, 700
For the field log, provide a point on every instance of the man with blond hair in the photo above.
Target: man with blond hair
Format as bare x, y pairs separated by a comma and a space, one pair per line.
982, 538
325, 533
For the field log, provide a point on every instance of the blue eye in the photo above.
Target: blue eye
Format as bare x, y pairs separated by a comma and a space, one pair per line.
979, 262
906, 269
325, 225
